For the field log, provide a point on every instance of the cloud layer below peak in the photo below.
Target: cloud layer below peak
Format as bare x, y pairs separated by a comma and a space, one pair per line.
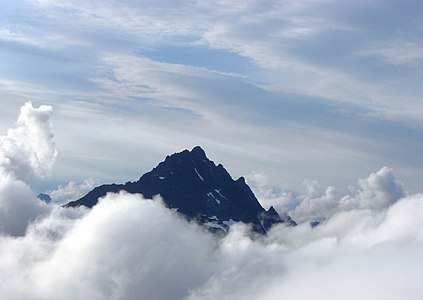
129, 247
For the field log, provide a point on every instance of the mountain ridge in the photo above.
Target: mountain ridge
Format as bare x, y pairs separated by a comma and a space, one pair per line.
196, 187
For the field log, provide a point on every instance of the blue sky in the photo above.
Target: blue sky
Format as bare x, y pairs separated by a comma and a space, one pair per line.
293, 90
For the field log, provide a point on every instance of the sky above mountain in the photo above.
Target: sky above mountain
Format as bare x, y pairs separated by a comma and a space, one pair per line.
281, 91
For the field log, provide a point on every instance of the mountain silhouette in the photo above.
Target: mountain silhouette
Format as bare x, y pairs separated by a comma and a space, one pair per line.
195, 187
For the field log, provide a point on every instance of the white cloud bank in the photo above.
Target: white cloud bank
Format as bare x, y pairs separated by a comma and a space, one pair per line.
127, 247
130, 248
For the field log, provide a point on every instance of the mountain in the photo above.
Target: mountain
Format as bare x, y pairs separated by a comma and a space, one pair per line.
194, 186
44, 197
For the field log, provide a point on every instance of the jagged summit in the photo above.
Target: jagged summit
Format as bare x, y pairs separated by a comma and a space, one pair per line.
200, 190
197, 150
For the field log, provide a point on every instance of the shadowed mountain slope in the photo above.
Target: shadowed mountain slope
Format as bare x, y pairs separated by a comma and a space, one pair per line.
194, 186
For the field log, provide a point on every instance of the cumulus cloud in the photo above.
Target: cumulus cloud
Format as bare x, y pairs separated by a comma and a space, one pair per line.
26, 152
376, 192
380, 190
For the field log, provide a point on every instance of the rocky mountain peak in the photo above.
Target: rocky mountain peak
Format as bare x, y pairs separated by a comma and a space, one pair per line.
198, 189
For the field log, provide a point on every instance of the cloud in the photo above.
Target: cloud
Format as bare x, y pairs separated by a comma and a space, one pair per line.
26, 152
357, 255
126, 247
18, 206
300, 64
281, 199
86, 52
129, 247
400, 52
377, 192
72, 191
308, 48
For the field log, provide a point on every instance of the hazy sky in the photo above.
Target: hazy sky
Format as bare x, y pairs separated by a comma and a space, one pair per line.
281, 90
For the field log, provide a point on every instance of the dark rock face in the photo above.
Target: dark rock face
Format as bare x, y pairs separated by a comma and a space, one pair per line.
44, 197
194, 186
271, 216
